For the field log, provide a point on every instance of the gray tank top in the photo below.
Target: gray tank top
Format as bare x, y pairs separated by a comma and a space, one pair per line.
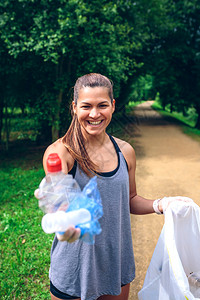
89, 271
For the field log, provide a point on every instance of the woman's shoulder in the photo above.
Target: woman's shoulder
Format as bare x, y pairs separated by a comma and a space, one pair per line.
127, 151
59, 148
124, 146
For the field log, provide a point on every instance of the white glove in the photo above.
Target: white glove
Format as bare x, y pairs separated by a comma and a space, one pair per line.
160, 205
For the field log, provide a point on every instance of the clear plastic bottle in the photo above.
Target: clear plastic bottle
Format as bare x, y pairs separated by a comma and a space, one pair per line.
194, 282
60, 220
61, 198
57, 189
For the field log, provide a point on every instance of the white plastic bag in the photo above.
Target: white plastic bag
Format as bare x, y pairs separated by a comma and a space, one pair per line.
176, 255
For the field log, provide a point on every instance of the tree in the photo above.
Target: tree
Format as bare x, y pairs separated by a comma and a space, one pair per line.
7, 76
176, 57
147, 18
71, 38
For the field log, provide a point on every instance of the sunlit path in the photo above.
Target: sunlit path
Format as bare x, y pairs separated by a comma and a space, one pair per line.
168, 164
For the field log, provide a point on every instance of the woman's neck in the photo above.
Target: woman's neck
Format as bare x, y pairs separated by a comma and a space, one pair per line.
95, 141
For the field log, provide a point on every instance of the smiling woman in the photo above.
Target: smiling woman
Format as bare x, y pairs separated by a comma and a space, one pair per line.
105, 269
93, 107
94, 110
98, 271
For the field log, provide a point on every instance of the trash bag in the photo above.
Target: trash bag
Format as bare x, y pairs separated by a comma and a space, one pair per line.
177, 254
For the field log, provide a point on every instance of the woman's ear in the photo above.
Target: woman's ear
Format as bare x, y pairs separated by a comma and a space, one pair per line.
74, 107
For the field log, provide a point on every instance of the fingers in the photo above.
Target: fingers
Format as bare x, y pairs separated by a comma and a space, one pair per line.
71, 235
184, 199
36, 193
166, 201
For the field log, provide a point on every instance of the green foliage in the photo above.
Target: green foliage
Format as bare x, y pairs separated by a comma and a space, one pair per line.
176, 57
186, 120
61, 40
141, 89
46, 45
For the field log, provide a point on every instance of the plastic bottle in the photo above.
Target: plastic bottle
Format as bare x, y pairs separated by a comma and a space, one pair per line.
57, 189
61, 198
60, 220
194, 282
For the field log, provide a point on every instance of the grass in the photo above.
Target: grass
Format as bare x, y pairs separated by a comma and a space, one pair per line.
24, 247
187, 122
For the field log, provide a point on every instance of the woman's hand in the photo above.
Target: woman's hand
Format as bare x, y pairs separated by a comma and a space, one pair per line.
164, 203
71, 235
36, 194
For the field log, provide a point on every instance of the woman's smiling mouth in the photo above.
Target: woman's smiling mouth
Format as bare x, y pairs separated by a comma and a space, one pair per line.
95, 122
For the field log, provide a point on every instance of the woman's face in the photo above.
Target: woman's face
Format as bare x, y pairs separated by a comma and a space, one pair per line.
94, 109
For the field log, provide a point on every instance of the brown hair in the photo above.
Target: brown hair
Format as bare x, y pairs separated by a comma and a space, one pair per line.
73, 139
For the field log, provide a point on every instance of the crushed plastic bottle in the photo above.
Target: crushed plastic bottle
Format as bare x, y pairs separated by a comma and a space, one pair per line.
60, 220
61, 198
194, 282
57, 189
90, 199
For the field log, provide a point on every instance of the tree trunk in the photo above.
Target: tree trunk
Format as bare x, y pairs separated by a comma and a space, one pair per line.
1, 119
7, 127
171, 108
56, 118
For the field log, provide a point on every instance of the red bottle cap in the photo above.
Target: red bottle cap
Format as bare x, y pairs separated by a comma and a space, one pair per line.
54, 163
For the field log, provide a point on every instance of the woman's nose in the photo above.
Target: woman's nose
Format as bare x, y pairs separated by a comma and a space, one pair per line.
94, 113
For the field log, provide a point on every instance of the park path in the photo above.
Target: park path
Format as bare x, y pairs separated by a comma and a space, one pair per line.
168, 164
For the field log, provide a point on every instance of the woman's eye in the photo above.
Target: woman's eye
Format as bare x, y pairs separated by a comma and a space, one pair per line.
103, 105
85, 106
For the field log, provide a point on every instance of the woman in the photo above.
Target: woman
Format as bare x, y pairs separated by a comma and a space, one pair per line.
103, 270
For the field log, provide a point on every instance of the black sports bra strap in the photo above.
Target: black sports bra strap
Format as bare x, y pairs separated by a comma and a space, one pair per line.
73, 170
117, 147
107, 174
114, 143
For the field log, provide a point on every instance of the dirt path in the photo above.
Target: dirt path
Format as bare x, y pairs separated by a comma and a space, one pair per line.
168, 164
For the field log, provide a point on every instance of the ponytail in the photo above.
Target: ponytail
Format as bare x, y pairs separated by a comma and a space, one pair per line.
75, 143
73, 139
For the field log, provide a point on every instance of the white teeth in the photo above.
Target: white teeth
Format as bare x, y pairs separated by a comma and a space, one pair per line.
95, 123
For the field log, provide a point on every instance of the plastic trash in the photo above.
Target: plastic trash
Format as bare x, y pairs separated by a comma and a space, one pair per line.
89, 199
57, 189
60, 220
61, 198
